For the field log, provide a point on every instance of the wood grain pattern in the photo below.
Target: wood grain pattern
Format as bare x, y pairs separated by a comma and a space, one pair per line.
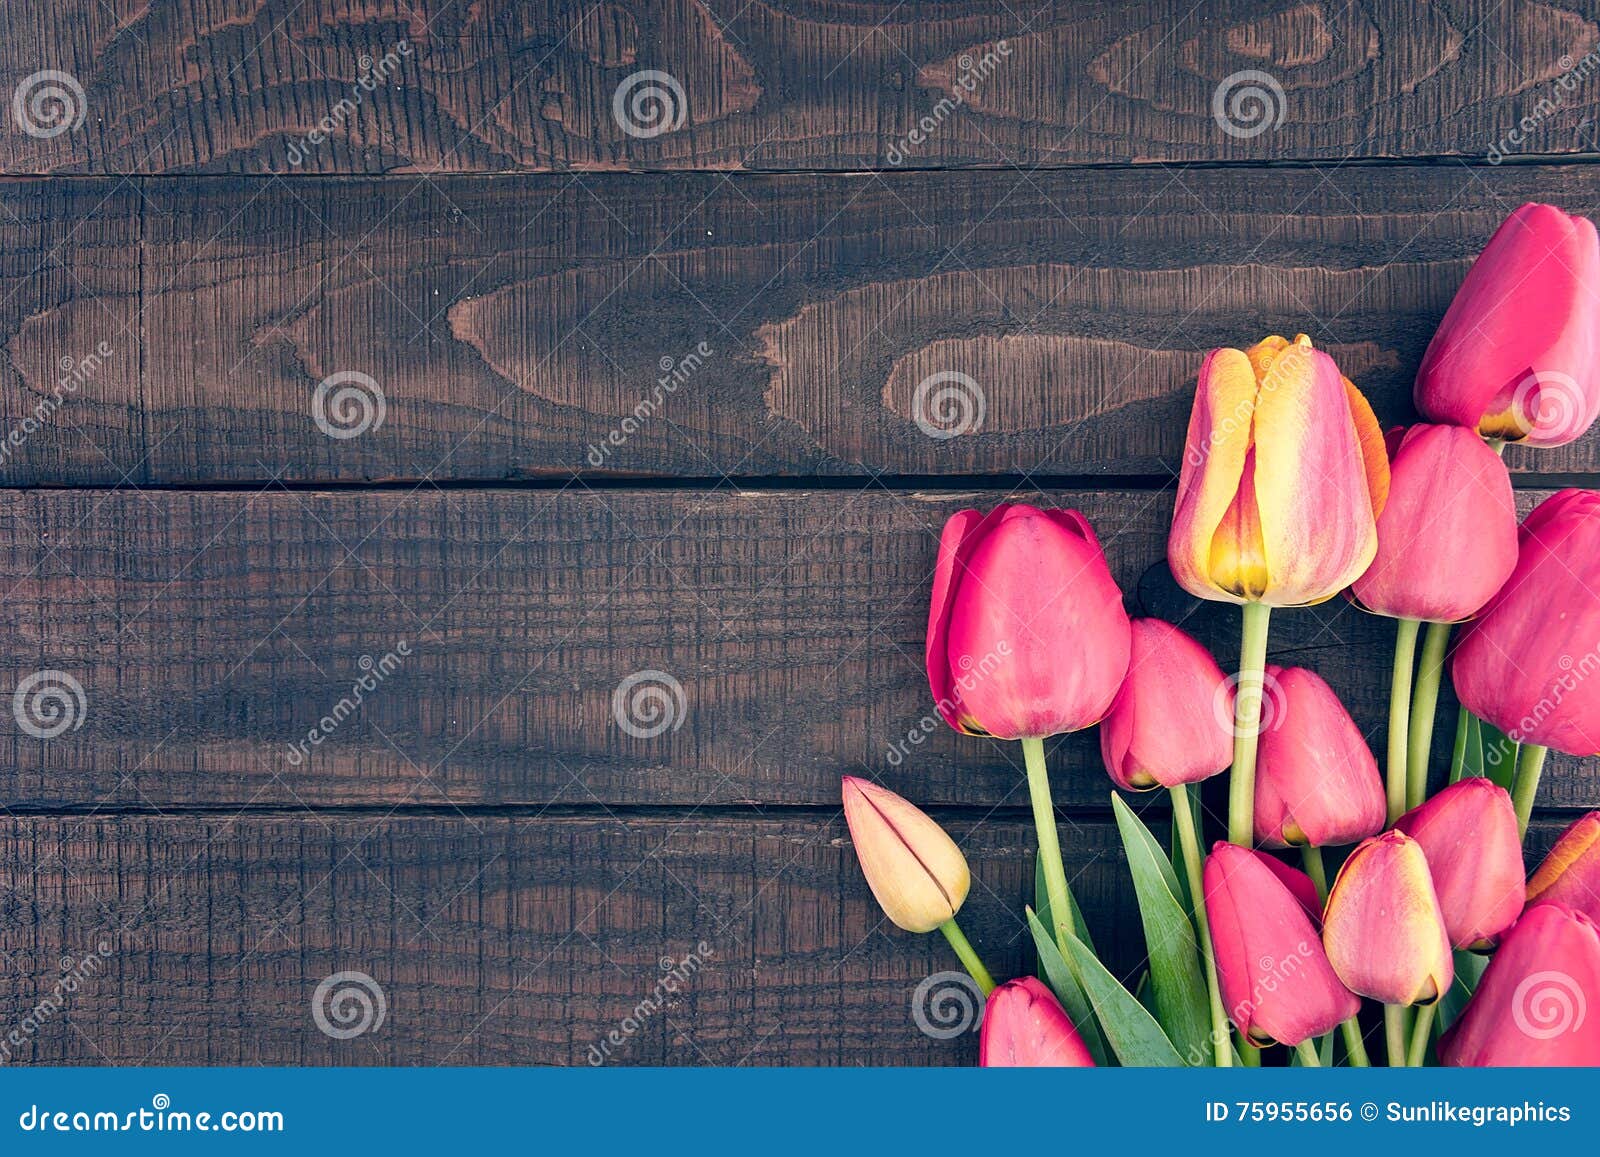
324, 86
696, 326
495, 940
211, 632
500, 940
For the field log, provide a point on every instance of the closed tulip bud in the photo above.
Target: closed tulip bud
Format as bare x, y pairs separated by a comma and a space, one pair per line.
1027, 636
1514, 665
1284, 472
1316, 780
914, 869
1469, 834
1025, 1027
1171, 723
1570, 874
1276, 982
1531, 1009
1514, 357
1447, 537
1383, 928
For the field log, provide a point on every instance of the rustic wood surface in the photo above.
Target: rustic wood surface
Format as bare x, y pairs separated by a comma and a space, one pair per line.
515, 326
505, 940
332, 347
435, 85
210, 632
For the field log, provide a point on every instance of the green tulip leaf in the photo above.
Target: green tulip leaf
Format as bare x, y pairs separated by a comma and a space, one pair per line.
1041, 904
1068, 991
1488, 752
1176, 982
1133, 1033
1470, 967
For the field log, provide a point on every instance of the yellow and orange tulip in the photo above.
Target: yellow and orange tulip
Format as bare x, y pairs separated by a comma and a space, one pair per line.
1284, 475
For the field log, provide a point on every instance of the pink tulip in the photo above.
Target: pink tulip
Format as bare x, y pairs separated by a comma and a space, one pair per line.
1517, 355
1447, 537
1533, 1006
1283, 474
1316, 780
1027, 636
1528, 663
1275, 977
1301, 886
1171, 723
1024, 1027
1570, 874
1383, 928
1469, 834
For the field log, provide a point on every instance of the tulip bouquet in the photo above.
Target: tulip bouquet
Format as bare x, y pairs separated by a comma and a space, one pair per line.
1429, 940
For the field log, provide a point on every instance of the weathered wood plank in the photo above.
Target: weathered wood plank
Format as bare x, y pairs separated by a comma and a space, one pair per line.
499, 940
323, 86
468, 647
494, 940
697, 326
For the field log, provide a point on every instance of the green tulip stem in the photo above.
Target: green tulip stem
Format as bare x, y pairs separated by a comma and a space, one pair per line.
1247, 723
1530, 763
1458, 753
1353, 1044
1424, 706
1044, 819
969, 955
1308, 1054
1183, 817
1405, 654
1420, 1034
1394, 1027
1316, 869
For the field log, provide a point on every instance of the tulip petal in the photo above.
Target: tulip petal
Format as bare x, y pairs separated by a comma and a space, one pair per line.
1374, 453
1214, 460
961, 532
1311, 486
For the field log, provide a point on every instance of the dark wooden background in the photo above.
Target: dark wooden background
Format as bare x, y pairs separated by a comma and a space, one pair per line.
483, 240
